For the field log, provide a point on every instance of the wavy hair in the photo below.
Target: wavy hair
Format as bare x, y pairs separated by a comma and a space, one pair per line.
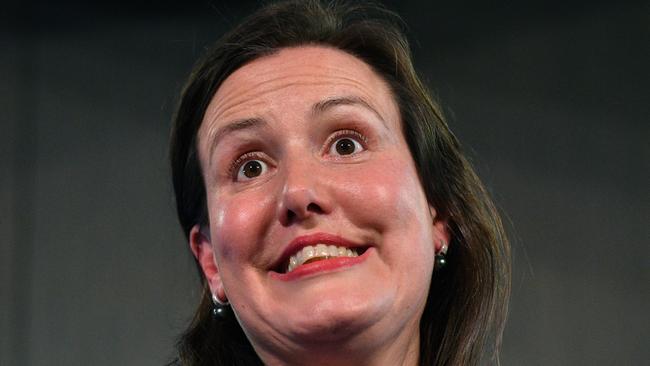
465, 311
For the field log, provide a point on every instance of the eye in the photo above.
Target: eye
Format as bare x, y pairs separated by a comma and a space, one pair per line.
347, 144
251, 169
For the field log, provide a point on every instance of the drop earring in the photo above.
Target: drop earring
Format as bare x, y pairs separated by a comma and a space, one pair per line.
219, 308
441, 259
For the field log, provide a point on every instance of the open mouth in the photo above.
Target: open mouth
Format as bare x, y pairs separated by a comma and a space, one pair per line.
318, 252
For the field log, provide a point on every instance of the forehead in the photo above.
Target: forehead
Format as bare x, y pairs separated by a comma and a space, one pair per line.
297, 76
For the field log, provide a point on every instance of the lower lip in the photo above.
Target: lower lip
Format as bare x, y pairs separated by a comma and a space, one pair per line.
320, 267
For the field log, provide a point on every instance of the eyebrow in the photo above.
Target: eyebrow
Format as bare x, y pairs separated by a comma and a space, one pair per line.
318, 108
236, 125
324, 105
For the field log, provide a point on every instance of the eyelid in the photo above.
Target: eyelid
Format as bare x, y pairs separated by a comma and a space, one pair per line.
233, 170
346, 133
236, 164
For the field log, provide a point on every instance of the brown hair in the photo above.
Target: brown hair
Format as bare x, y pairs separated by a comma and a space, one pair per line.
465, 311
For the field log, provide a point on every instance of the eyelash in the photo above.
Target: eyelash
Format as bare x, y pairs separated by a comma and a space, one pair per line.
346, 133
233, 170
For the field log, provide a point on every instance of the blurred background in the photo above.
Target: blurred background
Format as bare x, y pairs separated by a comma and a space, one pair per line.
550, 99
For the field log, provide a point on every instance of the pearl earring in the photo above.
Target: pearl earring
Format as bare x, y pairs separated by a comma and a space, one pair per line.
440, 258
220, 308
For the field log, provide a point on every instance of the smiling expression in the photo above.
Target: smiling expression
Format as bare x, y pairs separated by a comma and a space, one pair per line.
319, 227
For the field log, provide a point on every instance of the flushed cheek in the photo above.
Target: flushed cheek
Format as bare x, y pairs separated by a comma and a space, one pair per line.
238, 225
385, 195
390, 201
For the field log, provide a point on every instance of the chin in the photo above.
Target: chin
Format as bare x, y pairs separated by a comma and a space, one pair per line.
337, 316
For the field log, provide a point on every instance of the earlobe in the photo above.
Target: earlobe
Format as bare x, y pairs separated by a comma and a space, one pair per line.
202, 249
441, 232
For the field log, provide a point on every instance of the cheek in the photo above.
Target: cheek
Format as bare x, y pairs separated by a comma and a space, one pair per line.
389, 199
235, 226
387, 194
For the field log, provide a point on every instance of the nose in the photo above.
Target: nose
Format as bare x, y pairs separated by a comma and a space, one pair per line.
303, 194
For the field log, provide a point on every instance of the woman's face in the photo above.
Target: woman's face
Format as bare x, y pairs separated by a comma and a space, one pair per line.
319, 227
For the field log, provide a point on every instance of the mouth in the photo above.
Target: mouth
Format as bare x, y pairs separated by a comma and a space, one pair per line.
320, 252
314, 248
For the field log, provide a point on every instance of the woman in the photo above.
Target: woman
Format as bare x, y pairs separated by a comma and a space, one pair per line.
332, 215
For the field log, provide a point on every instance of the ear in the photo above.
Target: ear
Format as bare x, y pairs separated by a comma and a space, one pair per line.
203, 252
441, 232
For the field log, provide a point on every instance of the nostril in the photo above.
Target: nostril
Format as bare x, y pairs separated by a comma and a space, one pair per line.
294, 211
290, 215
312, 207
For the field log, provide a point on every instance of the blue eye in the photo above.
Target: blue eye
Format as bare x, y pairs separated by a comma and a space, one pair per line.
251, 169
346, 146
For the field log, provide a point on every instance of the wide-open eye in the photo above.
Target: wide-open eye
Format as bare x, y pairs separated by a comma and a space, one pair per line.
346, 145
251, 169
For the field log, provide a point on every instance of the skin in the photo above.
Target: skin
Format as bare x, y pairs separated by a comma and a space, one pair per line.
366, 314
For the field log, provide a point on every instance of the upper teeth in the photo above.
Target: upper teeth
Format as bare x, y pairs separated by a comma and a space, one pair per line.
319, 251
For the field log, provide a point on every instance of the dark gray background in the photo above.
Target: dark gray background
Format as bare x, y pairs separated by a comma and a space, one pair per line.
549, 98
